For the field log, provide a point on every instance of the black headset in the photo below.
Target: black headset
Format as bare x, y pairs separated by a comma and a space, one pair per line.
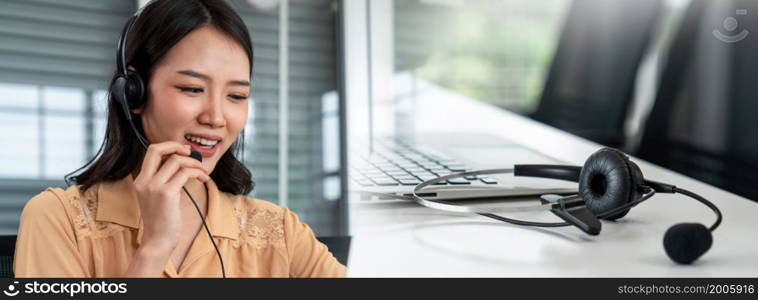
128, 89
609, 186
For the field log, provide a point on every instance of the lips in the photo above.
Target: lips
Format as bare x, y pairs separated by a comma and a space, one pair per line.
201, 140
205, 144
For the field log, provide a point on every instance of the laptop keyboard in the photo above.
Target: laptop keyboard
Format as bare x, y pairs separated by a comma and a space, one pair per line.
396, 164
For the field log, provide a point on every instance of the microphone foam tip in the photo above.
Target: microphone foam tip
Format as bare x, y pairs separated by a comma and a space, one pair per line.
685, 242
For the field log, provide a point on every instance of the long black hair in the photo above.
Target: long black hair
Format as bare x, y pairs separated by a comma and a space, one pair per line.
160, 25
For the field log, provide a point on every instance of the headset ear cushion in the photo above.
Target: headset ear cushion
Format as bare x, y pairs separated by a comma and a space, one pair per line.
135, 90
608, 181
118, 89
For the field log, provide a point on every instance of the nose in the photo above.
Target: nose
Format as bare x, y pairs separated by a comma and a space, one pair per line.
213, 114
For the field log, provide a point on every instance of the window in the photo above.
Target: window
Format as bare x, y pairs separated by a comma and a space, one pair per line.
496, 51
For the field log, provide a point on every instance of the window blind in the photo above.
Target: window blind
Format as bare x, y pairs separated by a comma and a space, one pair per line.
54, 58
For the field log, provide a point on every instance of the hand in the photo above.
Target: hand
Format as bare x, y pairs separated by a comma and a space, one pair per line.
166, 168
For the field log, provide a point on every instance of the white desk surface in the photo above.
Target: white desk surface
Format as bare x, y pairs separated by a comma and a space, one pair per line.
402, 239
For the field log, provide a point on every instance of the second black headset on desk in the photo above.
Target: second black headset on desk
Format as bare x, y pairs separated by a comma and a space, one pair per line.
609, 186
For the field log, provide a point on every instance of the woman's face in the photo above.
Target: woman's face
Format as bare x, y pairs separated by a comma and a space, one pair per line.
197, 94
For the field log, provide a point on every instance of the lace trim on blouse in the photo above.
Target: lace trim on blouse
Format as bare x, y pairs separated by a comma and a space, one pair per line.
84, 220
261, 227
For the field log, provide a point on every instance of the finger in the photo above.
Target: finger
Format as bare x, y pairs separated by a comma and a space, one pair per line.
173, 164
181, 178
155, 153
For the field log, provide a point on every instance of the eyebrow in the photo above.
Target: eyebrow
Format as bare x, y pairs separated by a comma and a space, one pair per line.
202, 76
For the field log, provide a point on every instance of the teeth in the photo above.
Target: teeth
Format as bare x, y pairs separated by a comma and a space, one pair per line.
201, 141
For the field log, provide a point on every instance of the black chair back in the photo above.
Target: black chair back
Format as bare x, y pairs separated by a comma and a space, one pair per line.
7, 248
338, 245
704, 117
592, 78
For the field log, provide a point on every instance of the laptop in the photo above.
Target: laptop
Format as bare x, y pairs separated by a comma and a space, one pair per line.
392, 166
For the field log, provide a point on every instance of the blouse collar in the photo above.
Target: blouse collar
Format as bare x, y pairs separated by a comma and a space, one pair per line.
117, 203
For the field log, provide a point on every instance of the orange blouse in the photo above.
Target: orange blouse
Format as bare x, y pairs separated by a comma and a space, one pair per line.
65, 234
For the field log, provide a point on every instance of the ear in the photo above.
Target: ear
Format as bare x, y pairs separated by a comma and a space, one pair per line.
130, 68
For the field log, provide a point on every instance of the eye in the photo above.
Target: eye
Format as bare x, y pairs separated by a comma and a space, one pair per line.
238, 97
192, 90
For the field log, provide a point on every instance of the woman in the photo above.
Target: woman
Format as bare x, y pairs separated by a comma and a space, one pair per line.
128, 215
